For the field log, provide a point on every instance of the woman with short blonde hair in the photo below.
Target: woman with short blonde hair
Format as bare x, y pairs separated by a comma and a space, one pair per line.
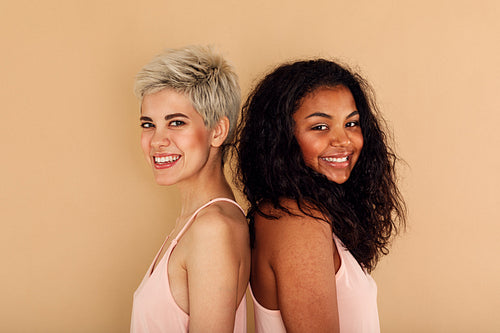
190, 102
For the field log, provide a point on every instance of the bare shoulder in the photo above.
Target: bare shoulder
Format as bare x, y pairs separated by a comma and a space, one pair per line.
290, 229
294, 268
217, 261
221, 221
221, 215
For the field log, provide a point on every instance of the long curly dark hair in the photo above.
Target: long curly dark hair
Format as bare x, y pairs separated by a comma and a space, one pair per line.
366, 210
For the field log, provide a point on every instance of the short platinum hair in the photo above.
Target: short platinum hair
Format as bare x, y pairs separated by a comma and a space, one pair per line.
202, 75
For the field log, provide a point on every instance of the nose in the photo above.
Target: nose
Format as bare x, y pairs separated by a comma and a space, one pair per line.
160, 139
339, 137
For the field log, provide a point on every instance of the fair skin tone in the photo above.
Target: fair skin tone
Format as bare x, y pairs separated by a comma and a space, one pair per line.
295, 259
209, 268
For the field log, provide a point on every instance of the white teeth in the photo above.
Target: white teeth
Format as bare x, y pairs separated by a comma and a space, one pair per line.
166, 159
334, 159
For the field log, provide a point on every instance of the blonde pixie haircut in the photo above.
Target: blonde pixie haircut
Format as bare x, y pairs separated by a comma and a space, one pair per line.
202, 75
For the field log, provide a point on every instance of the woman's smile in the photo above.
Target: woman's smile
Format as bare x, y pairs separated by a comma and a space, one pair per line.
328, 132
341, 161
163, 162
174, 138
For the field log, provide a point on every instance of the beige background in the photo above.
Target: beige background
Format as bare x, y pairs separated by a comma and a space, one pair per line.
81, 217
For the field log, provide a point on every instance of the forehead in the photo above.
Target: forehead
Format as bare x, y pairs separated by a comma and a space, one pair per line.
167, 101
332, 100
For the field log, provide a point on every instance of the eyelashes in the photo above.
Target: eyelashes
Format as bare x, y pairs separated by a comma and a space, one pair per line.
176, 123
352, 123
173, 123
321, 127
324, 127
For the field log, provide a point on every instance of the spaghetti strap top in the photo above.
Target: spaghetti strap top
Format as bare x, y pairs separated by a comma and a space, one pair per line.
356, 300
154, 308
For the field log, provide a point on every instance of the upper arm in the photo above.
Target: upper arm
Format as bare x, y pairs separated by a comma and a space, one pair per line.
213, 265
302, 259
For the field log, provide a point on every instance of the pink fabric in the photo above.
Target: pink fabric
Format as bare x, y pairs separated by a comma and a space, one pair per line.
155, 310
266, 320
356, 299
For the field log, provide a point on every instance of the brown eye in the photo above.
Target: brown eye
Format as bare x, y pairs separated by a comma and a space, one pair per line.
177, 123
147, 125
321, 127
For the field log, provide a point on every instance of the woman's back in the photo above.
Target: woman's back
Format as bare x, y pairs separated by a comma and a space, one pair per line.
304, 275
161, 303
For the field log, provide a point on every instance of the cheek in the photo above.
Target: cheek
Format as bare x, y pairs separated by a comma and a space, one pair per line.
145, 142
308, 148
356, 138
195, 141
307, 153
359, 142
202, 139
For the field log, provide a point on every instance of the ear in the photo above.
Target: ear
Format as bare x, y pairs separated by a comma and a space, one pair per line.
219, 132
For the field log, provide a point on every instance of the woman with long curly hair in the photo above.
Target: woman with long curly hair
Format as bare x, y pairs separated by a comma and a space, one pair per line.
314, 161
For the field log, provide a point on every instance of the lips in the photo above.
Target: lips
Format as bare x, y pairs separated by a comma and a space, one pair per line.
338, 160
165, 161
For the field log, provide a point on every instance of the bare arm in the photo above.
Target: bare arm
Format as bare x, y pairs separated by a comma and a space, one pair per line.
213, 265
302, 259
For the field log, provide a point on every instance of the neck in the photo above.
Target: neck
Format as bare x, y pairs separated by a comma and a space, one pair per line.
209, 184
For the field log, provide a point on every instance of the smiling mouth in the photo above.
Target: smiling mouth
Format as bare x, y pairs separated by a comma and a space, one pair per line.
165, 159
336, 159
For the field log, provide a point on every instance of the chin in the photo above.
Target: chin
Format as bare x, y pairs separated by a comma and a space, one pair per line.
164, 182
338, 179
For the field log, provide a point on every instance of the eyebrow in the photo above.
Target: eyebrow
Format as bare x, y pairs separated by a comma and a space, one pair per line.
319, 114
324, 115
167, 117
352, 114
175, 115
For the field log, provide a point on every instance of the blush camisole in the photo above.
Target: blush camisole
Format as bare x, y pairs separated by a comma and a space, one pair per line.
154, 309
356, 300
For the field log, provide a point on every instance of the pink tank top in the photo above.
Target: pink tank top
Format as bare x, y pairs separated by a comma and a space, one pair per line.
154, 309
356, 300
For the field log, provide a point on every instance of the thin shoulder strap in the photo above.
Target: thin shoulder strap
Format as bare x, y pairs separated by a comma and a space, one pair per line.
191, 219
